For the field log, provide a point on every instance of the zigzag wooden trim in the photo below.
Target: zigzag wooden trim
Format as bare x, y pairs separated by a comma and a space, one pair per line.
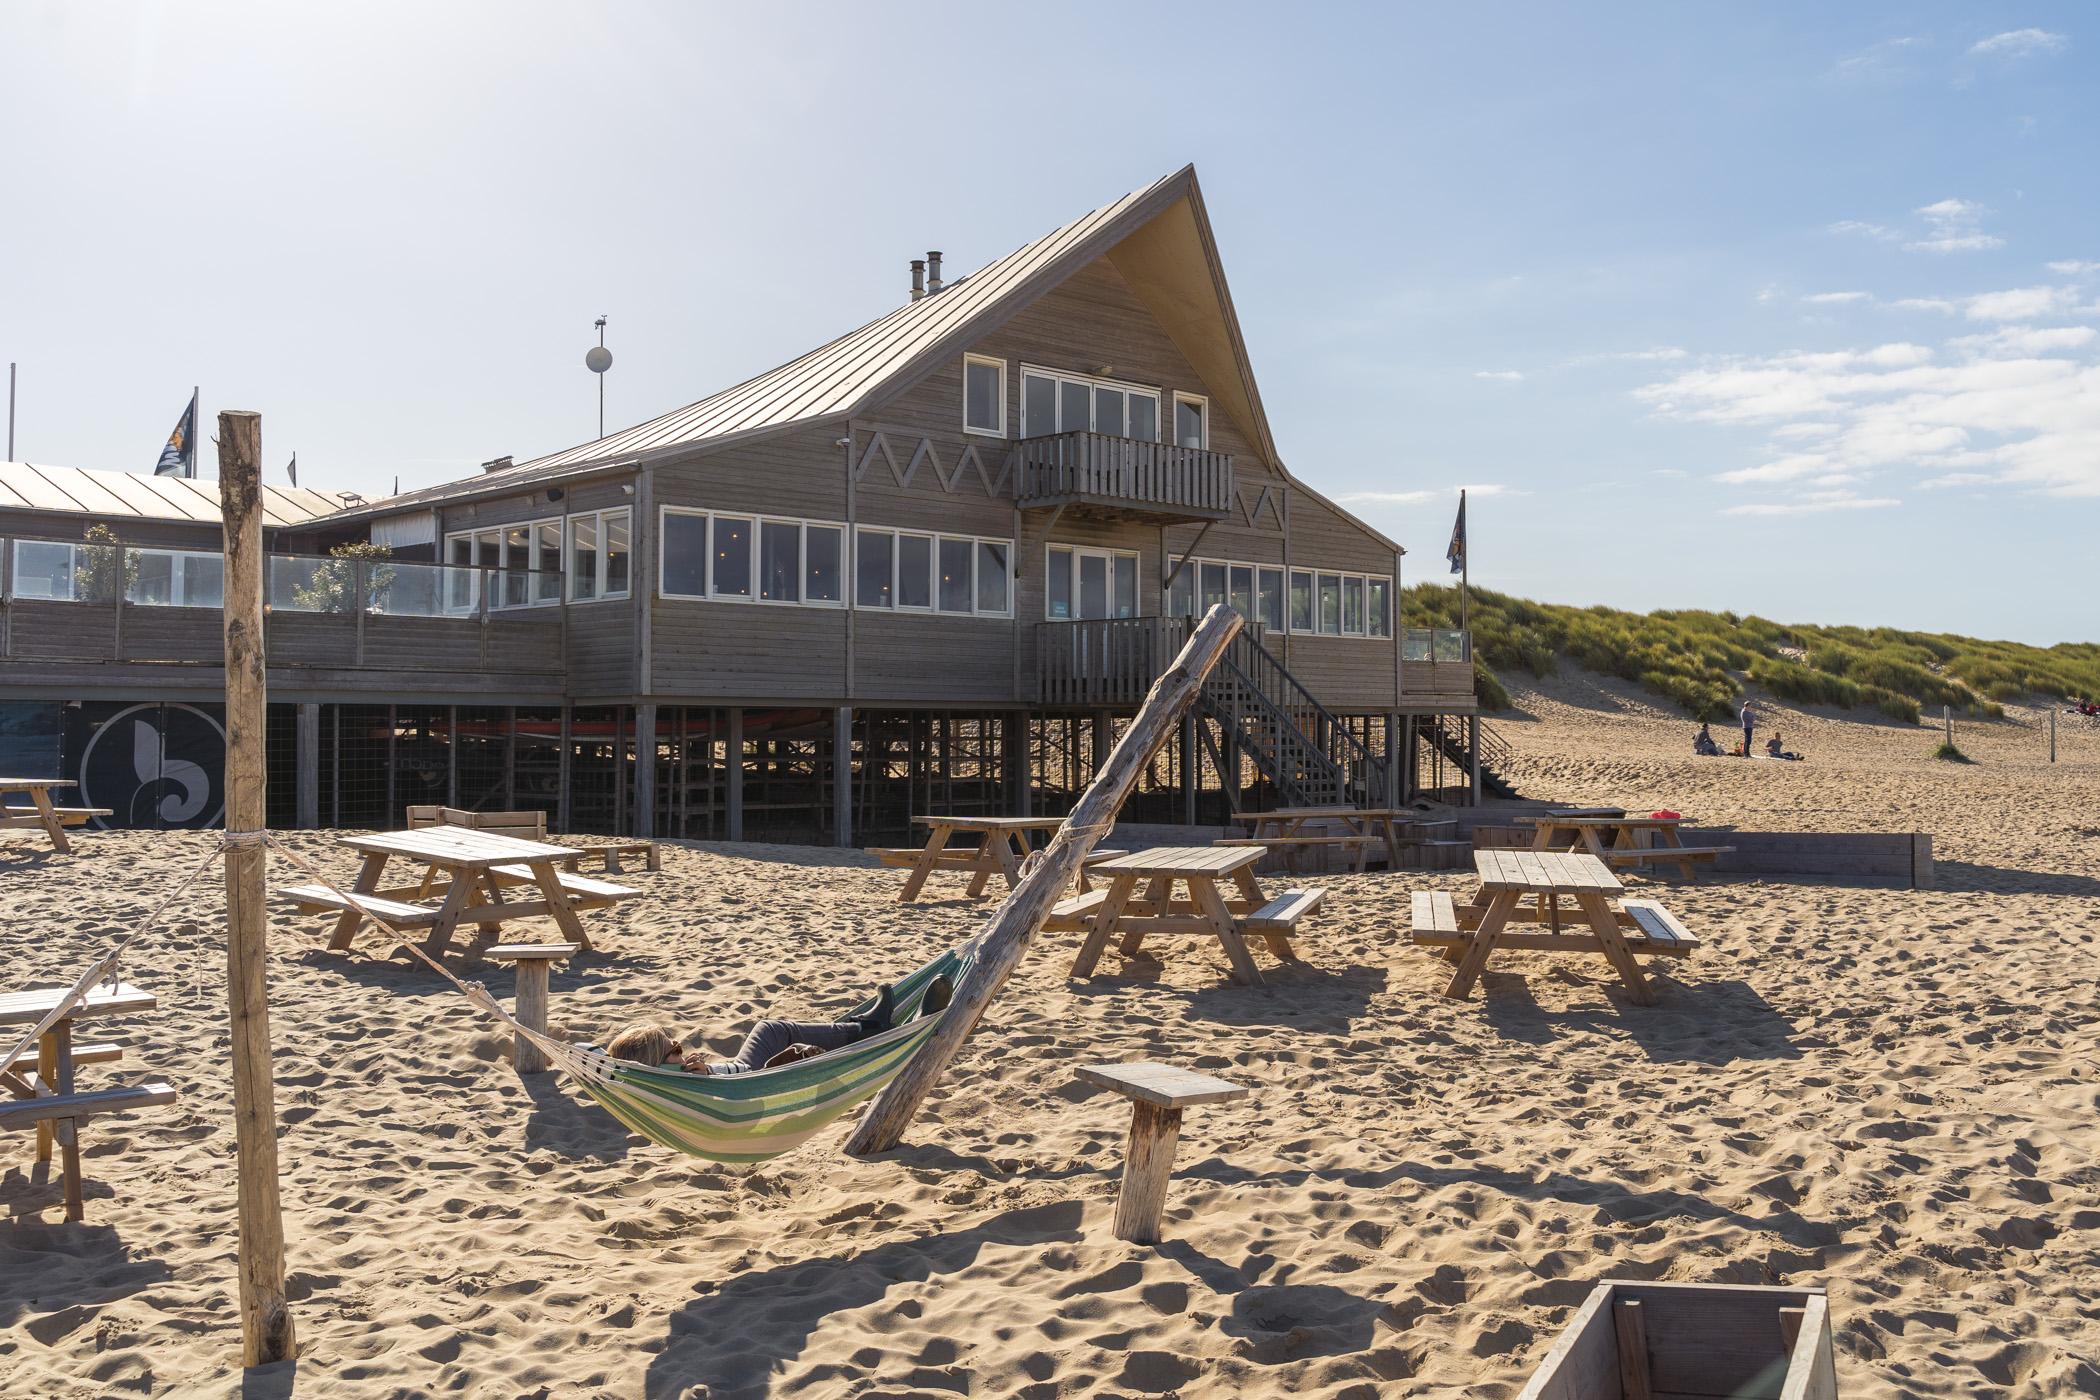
879, 443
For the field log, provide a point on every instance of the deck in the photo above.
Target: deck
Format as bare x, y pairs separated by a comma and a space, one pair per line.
1123, 478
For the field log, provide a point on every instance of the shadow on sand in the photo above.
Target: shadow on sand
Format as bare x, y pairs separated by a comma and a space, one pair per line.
65, 1273
1712, 1023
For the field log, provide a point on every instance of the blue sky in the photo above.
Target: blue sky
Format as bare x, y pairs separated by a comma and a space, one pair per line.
1786, 309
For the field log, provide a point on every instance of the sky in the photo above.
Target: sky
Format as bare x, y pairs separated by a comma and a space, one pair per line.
1785, 309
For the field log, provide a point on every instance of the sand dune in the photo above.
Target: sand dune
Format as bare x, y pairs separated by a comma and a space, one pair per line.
1889, 1091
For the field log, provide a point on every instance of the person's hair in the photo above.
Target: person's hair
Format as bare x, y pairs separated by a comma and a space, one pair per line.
644, 1044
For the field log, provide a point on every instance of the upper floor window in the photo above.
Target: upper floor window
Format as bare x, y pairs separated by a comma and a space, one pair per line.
523, 560
984, 395
1191, 420
599, 554
1341, 605
746, 558
1055, 402
1255, 591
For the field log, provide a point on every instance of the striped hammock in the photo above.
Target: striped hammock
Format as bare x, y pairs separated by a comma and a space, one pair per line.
747, 1118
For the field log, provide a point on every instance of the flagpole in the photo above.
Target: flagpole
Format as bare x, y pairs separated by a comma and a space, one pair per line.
194, 426
1465, 567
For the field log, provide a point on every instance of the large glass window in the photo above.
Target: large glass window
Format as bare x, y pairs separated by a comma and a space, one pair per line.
1301, 601
984, 395
731, 557
1241, 593
822, 563
955, 594
1381, 607
600, 555
583, 557
1191, 421
684, 555
1125, 600
176, 578
779, 560
43, 569
1268, 599
1211, 584
1352, 606
546, 562
1090, 584
992, 575
1057, 586
517, 566
1055, 402
875, 569
1093, 584
618, 553
915, 571
461, 594
1181, 596
1330, 604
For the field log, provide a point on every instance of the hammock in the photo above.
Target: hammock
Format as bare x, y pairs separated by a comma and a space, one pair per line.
747, 1118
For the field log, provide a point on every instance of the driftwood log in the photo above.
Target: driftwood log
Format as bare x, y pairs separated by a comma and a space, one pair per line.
1014, 924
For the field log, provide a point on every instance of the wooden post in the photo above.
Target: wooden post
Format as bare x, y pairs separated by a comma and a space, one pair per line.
1148, 1165
1947, 718
2052, 733
266, 1319
564, 762
308, 787
735, 759
842, 776
645, 770
1473, 753
1188, 770
1013, 926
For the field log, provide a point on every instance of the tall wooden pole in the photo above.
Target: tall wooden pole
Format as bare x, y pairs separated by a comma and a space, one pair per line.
266, 1320
1015, 923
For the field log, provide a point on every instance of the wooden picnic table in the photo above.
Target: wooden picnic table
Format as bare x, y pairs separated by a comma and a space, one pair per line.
1002, 846
1619, 839
1509, 878
37, 1094
1203, 909
1284, 829
484, 878
41, 813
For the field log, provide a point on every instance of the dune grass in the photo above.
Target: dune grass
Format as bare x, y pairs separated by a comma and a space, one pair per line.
1706, 661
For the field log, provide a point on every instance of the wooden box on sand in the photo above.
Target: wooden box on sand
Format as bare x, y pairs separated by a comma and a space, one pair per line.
1691, 1341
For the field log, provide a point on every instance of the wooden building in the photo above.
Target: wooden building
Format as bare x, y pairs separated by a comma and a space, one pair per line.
931, 565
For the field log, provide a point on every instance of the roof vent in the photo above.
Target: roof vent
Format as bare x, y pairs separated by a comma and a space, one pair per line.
497, 465
918, 279
933, 273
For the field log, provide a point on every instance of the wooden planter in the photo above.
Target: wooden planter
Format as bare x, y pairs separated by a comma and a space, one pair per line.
1691, 1341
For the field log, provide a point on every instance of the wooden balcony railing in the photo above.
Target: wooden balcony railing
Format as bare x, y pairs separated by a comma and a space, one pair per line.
1156, 480
1108, 662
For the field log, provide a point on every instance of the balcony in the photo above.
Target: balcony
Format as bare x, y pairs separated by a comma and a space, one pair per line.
1095, 474
79, 614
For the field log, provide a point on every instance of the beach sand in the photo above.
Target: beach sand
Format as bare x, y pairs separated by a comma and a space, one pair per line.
1889, 1092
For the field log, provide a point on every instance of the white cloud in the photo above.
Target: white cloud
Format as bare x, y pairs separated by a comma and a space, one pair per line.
2074, 268
1925, 304
1426, 495
2019, 304
1510, 376
1654, 354
2025, 340
1956, 243
1836, 298
1952, 479
1860, 228
1877, 60
1953, 225
1814, 506
1950, 209
2018, 43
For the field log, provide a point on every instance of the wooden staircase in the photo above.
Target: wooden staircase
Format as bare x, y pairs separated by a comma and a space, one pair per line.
1308, 755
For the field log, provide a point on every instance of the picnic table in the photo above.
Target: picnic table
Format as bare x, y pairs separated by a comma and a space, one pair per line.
41, 813
1284, 830
1203, 909
473, 877
1508, 879
1002, 846
42, 1092
1616, 838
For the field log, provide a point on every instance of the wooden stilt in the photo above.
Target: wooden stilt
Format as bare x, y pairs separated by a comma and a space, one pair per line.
266, 1319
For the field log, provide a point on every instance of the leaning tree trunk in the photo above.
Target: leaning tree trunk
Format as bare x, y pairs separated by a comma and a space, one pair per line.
1014, 924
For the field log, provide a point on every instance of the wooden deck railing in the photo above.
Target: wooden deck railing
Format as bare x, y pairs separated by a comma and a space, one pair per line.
1108, 662
1097, 469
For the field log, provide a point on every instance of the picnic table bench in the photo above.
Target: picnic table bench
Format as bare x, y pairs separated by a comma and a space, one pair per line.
1286, 829
46, 1097
469, 877
532, 826
42, 814
1633, 840
1204, 909
1002, 846
1468, 934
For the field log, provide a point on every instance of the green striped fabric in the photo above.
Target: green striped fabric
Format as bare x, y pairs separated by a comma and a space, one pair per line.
745, 1118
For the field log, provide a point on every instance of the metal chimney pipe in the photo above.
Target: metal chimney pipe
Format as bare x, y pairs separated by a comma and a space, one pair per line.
918, 278
933, 272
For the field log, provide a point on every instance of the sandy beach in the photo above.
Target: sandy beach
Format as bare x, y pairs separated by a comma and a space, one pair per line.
1888, 1092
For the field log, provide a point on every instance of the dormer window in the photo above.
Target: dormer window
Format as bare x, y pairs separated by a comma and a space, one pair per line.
1191, 420
1055, 402
984, 395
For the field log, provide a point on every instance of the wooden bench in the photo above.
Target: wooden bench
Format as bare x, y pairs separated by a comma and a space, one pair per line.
316, 899
1660, 932
534, 961
1290, 846
82, 1055
67, 816
581, 888
1070, 915
1438, 922
1681, 856
1158, 1094
1443, 855
1281, 914
57, 1118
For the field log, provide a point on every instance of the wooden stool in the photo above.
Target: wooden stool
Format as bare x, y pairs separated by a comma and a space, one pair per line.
1157, 1093
534, 961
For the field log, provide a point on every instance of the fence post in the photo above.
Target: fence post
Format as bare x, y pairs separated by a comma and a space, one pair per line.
2052, 733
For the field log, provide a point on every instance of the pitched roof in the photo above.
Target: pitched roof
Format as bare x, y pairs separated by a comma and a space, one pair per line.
83, 491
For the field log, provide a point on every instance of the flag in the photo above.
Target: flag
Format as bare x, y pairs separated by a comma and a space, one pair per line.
293, 469
179, 457
1457, 552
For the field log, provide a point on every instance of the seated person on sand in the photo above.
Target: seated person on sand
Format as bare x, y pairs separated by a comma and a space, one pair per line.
1776, 747
770, 1042
1703, 743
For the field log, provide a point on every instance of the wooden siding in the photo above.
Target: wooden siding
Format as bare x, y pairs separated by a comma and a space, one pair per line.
745, 651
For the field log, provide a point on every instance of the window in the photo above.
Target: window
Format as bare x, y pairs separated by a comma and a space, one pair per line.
958, 574
1381, 595
1090, 584
1352, 606
1191, 420
984, 395
523, 564
1268, 599
1181, 596
875, 569
1055, 402
599, 554
1241, 591
1255, 591
1301, 601
43, 569
1330, 605
171, 578
1210, 584
739, 558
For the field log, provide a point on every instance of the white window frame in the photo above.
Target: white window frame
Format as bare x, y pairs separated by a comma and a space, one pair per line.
1174, 430
1155, 392
758, 522
1000, 366
179, 564
1194, 573
932, 607
502, 565
602, 595
1137, 604
72, 593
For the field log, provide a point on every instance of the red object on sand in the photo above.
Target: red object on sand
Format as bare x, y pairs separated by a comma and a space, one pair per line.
1666, 816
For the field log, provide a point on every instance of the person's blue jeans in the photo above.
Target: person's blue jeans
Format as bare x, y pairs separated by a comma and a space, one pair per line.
769, 1038
1747, 750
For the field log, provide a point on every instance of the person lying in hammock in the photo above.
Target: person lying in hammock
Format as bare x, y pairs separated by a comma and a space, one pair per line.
771, 1042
